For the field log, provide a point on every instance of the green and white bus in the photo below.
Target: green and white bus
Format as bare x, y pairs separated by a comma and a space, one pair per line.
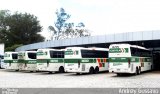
126, 58
86, 60
27, 60
11, 60
51, 60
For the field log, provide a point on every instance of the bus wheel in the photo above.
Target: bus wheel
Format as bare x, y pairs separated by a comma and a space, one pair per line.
151, 68
137, 71
91, 70
78, 73
96, 70
61, 69
50, 72
119, 74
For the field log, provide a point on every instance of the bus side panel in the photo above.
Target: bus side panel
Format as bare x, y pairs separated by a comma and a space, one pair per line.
146, 64
103, 64
11, 64
31, 67
55, 66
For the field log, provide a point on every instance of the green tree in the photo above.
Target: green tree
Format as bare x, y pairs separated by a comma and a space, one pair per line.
66, 29
19, 28
13, 47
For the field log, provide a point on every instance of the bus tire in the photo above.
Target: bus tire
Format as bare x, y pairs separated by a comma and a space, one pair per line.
50, 72
77, 73
96, 70
151, 68
137, 71
119, 74
61, 69
91, 70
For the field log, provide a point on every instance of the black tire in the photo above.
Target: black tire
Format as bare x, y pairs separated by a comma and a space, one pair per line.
96, 70
119, 74
17, 70
50, 72
0, 66
61, 70
137, 71
151, 68
91, 70
77, 73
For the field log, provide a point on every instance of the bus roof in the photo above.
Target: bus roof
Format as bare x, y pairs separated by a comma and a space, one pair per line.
26, 51
48, 49
10, 52
90, 48
129, 45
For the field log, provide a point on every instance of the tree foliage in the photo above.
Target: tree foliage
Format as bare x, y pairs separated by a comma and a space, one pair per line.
13, 47
66, 29
19, 28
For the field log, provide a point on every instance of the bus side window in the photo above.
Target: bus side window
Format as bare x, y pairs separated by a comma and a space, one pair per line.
14, 56
57, 54
32, 55
60, 54
94, 54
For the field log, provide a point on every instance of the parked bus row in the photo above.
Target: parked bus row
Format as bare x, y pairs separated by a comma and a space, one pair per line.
118, 58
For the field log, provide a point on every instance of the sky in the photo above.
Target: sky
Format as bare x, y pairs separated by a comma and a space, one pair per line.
99, 16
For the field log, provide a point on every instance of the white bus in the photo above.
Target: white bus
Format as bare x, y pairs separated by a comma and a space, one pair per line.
126, 58
11, 60
2, 61
27, 60
51, 60
86, 60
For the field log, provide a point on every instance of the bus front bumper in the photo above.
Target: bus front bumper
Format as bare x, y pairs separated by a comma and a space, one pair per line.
74, 70
117, 70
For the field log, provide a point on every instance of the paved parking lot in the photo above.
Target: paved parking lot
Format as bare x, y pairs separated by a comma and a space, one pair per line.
12, 79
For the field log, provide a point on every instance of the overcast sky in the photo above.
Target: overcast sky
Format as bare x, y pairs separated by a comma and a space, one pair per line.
99, 16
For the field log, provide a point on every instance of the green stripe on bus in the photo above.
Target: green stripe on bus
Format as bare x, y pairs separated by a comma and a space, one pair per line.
28, 61
50, 60
84, 60
79, 60
10, 61
132, 59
